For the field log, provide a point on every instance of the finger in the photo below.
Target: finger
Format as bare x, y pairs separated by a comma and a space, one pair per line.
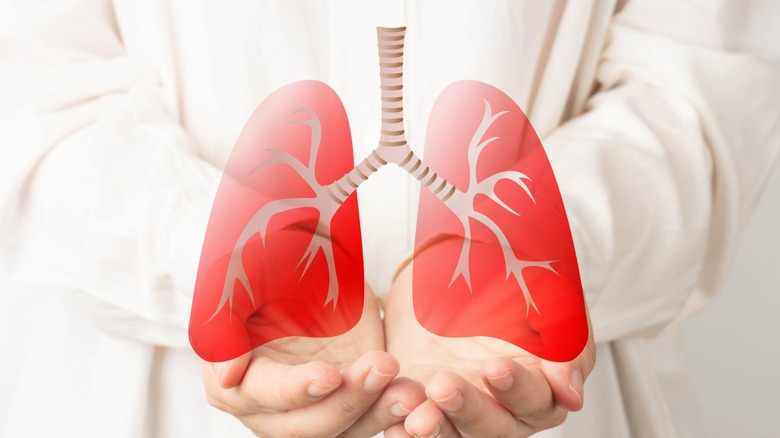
473, 412
567, 379
400, 397
230, 373
269, 385
362, 384
427, 420
397, 431
523, 392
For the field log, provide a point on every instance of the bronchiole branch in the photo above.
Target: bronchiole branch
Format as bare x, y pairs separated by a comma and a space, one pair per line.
324, 201
463, 205
514, 265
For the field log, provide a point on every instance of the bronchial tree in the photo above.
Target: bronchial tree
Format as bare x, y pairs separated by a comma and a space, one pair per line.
393, 148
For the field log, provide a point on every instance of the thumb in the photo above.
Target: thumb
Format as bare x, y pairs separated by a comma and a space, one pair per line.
230, 373
567, 379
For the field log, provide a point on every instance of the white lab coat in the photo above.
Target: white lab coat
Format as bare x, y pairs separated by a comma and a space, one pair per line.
661, 120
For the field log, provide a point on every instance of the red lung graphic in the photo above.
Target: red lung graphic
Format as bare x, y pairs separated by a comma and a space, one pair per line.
275, 239
517, 277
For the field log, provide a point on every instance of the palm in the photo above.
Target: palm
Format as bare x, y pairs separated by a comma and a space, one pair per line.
422, 353
479, 386
339, 351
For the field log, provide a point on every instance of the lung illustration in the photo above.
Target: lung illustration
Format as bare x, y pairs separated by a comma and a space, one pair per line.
282, 254
493, 250
496, 257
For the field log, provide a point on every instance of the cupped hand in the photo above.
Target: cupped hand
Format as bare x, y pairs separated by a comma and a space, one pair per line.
317, 387
479, 387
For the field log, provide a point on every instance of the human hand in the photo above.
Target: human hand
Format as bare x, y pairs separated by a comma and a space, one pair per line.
317, 387
480, 386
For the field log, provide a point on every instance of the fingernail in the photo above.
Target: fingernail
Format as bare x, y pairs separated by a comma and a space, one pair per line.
575, 384
376, 381
399, 410
452, 402
502, 383
317, 389
219, 369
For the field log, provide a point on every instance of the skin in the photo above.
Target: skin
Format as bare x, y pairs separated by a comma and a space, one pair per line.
343, 386
479, 387
414, 384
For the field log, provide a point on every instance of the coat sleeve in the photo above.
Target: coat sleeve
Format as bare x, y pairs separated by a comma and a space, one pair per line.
660, 173
102, 192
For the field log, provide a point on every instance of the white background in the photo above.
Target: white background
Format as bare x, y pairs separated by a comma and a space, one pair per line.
732, 346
